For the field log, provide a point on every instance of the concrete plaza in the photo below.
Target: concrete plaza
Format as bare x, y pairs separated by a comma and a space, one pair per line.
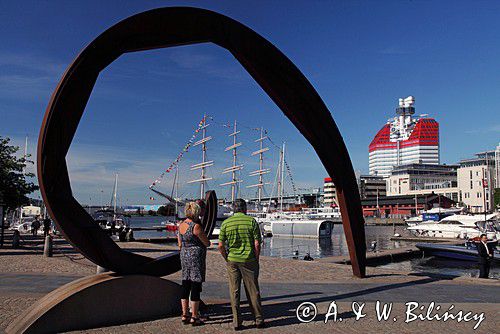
26, 276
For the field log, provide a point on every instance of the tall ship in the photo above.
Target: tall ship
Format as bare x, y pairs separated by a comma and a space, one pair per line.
404, 139
273, 219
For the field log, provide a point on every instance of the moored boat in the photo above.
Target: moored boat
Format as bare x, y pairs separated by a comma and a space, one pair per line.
459, 227
302, 228
434, 214
467, 252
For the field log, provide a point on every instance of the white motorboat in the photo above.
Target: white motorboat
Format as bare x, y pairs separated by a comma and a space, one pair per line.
434, 214
458, 226
413, 221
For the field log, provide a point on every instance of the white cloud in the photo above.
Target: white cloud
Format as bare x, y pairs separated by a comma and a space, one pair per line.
26, 76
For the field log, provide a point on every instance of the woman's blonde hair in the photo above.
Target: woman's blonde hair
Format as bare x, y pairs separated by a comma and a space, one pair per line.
192, 210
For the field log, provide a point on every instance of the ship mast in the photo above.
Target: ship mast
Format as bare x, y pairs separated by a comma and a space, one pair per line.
204, 163
261, 171
25, 156
175, 188
234, 168
282, 176
113, 199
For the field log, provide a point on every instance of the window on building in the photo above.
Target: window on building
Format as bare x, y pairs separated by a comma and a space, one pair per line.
471, 184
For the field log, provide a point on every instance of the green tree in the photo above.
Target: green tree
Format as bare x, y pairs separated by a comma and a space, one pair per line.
13, 182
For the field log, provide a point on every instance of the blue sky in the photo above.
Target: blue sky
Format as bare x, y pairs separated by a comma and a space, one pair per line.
361, 56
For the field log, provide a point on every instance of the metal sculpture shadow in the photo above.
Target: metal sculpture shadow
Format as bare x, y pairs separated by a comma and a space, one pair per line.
167, 27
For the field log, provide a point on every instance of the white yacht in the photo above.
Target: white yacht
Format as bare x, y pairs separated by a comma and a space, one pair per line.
458, 226
434, 214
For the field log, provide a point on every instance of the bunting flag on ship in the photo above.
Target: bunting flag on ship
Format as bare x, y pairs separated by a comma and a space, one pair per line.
181, 154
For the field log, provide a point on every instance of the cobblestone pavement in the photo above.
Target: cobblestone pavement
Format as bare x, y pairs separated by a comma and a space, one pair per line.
281, 318
25, 276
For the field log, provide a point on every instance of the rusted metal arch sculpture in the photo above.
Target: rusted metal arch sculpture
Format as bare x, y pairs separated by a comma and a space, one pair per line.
174, 26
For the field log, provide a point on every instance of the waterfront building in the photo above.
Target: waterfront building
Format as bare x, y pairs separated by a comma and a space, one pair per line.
371, 186
329, 193
424, 179
497, 166
477, 178
404, 139
403, 206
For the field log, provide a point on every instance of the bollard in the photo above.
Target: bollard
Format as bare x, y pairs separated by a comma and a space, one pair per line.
16, 238
47, 247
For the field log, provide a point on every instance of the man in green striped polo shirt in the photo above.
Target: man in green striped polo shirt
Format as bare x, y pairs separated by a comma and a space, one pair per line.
240, 235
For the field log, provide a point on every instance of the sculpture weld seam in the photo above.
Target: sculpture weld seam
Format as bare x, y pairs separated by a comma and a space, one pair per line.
167, 27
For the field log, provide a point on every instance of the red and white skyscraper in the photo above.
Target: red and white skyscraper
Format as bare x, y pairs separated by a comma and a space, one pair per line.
404, 139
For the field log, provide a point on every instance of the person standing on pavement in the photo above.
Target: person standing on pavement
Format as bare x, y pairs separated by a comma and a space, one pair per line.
193, 245
35, 225
46, 226
239, 244
485, 253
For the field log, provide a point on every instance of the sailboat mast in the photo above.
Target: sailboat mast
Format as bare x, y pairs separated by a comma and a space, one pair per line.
204, 163
261, 171
25, 153
24, 172
282, 176
176, 185
233, 186
203, 158
280, 182
261, 164
234, 167
114, 194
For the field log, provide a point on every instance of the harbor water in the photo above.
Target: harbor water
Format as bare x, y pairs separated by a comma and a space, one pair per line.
441, 266
291, 247
336, 245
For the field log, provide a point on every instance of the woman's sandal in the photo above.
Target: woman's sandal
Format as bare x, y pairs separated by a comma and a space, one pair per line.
186, 319
196, 322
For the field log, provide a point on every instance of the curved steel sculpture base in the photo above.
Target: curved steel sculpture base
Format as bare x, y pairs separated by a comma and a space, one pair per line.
209, 218
100, 300
167, 27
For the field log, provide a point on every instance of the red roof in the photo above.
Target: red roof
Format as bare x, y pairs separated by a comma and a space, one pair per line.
328, 179
425, 133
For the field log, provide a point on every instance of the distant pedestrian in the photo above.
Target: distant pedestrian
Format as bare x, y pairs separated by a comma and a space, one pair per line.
46, 226
35, 225
308, 257
485, 252
193, 244
241, 233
